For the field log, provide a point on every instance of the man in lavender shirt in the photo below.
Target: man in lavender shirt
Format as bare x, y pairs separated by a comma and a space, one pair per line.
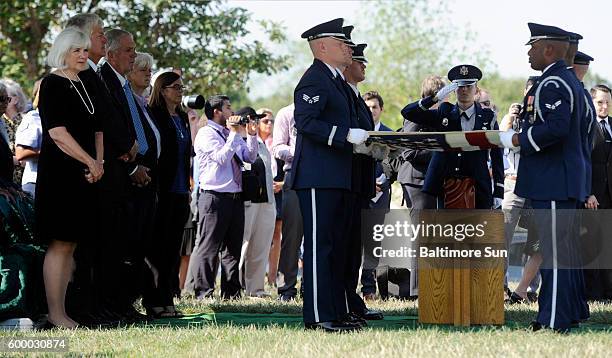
221, 152
283, 146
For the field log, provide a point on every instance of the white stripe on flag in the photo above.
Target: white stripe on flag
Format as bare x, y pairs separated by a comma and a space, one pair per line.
457, 140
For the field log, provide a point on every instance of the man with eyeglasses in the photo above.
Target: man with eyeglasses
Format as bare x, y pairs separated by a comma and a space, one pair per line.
447, 168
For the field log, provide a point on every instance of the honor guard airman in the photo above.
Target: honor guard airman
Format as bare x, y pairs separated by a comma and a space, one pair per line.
363, 187
466, 115
552, 172
327, 128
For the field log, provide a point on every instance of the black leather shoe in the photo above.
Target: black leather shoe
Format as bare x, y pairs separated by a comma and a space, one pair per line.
535, 326
353, 318
286, 298
372, 315
515, 298
333, 326
532, 297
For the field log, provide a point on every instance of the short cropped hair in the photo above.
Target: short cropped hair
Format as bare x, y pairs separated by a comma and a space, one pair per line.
214, 102
85, 22
68, 39
143, 60
113, 37
602, 88
374, 95
431, 85
13, 89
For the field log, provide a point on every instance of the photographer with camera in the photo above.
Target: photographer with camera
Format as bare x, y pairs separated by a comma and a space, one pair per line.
221, 152
259, 216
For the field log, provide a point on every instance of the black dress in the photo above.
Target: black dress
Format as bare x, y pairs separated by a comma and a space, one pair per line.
65, 203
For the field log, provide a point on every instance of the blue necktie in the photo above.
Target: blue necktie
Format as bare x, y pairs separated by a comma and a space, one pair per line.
140, 134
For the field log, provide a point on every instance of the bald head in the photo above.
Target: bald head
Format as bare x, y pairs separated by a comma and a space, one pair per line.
545, 52
331, 51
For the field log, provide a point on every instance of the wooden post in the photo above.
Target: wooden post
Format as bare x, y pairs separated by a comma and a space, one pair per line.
462, 291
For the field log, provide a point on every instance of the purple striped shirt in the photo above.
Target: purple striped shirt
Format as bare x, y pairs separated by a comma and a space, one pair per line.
215, 156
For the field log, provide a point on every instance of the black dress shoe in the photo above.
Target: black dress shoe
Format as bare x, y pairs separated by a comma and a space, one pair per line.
372, 315
532, 297
286, 297
353, 318
333, 326
535, 326
515, 298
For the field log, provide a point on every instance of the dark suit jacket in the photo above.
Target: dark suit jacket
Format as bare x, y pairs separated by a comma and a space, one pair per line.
414, 162
119, 102
601, 158
323, 116
118, 139
472, 164
167, 164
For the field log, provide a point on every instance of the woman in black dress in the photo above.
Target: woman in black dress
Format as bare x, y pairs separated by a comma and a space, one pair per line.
173, 199
70, 162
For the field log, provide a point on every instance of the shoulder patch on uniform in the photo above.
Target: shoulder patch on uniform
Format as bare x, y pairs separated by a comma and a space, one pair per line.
310, 100
553, 106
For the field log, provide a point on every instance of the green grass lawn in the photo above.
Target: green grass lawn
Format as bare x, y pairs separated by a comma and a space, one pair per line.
282, 340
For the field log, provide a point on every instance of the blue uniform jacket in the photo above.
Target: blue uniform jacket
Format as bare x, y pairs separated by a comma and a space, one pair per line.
363, 179
552, 154
323, 115
471, 164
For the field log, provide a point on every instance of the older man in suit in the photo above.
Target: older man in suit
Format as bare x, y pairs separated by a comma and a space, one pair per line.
126, 249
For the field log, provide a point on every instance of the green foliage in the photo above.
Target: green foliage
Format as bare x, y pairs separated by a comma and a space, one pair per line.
204, 37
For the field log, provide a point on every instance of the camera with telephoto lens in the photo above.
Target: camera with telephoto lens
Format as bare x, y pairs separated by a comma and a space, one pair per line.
195, 101
248, 114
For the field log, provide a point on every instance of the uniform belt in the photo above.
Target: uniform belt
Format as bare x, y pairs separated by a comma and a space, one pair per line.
227, 195
511, 176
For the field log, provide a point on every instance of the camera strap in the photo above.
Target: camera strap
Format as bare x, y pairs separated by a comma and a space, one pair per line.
236, 157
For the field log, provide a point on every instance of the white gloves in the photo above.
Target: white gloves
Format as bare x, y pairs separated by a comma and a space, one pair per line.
445, 91
497, 203
357, 135
506, 139
379, 151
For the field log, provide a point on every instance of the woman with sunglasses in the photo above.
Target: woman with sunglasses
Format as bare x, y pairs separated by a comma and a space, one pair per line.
173, 193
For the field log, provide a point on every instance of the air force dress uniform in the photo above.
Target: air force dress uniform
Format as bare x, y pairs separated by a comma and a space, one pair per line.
321, 176
552, 174
473, 164
363, 187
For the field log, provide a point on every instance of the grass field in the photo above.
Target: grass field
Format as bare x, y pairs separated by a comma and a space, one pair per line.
274, 340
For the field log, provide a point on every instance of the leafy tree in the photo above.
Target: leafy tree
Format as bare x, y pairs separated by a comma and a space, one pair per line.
204, 37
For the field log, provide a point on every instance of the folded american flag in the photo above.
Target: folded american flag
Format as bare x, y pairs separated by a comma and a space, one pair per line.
438, 141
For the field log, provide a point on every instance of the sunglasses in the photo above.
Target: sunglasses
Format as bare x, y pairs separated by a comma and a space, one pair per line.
485, 103
266, 121
177, 87
5, 99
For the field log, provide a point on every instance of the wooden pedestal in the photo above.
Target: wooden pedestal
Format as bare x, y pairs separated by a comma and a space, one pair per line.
463, 291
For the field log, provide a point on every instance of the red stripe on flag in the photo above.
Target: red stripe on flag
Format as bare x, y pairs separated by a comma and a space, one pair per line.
478, 140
